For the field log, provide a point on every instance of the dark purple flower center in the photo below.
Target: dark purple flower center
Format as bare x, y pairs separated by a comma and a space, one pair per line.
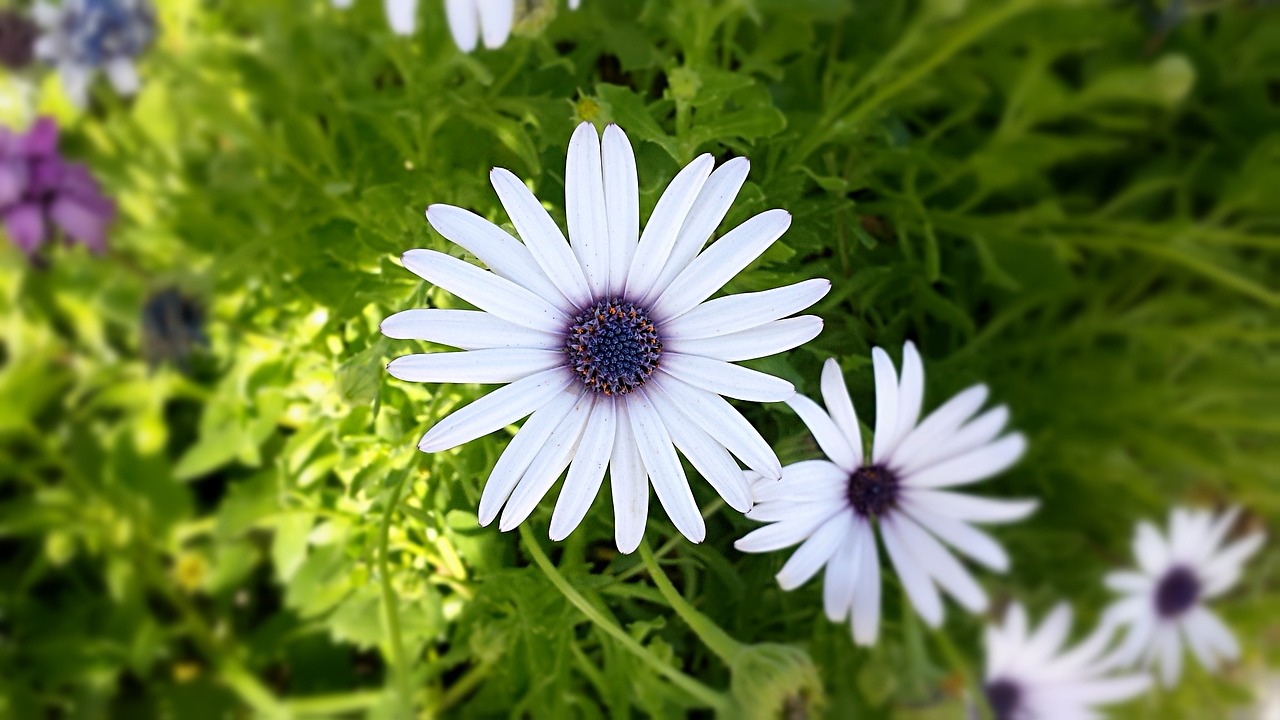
1177, 592
17, 39
1004, 697
613, 347
873, 490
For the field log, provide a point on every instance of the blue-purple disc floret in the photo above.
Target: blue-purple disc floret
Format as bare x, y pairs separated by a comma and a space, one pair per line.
613, 347
100, 30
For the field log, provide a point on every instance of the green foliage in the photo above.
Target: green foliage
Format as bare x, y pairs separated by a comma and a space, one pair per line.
1056, 198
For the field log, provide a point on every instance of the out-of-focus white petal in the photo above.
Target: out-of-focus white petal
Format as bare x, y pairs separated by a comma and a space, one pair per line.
465, 329
402, 16
941, 565
496, 410
587, 471
744, 311
910, 390
786, 532
805, 481
833, 442
965, 538
1128, 582
814, 552
835, 395
1170, 655
942, 423
1217, 636
865, 619
972, 466
842, 576
496, 19
1150, 549
886, 435
968, 507
123, 76
464, 23
920, 589
976, 433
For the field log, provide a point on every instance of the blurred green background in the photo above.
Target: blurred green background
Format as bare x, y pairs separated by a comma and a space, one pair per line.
223, 514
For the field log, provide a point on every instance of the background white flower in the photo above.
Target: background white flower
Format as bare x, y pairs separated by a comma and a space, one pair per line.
474, 20
1031, 676
81, 37
609, 341
1164, 599
831, 504
402, 15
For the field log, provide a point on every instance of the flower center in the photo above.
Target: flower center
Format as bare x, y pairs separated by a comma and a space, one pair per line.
873, 490
106, 29
613, 347
1177, 592
1004, 696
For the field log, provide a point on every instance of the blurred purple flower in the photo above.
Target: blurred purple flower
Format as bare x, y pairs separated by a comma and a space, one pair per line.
40, 192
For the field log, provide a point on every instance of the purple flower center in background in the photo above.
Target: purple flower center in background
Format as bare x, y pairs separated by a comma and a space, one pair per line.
1178, 590
873, 490
100, 30
17, 39
1004, 697
613, 347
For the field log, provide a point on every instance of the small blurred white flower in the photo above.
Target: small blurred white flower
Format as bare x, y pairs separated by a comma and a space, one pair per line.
1163, 604
473, 20
1031, 676
832, 504
81, 37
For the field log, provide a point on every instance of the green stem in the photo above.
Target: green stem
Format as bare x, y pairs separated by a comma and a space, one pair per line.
389, 604
719, 641
704, 694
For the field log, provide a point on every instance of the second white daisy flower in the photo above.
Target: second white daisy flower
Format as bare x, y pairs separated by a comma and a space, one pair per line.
833, 506
608, 340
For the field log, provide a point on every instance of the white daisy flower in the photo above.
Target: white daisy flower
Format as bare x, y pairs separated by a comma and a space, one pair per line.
608, 340
1164, 599
473, 20
831, 504
1030, 676
81, 37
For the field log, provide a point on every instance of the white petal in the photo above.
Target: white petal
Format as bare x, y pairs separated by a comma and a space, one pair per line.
465, 329
1195, 638
664, 225
505, 256
622, 205
1127, 581
886, 433
910, 390
744, 311
401, 15
630, 485
464, 23
1170, 655
520, 453
342, 4
809, 558
963, 537
968, 507
866, 594
943, 422
978, 432
805, 481
786, 532
499, 365
76, 80
1049, 637
587, 471
573, 4
496, 18
1218, 529
1216, 635
721, 421
542, 236
496, 410
706, 455
584, 207
842, 576
832, 441
725, 379
1102, 692
704, 217
548, 464
760, 341
719, 263
779, 510
835, 395
486, 291
920, 589
123, 76
665, 472
972, 466
1228, 561
941, 564
1138, 638
1150, 549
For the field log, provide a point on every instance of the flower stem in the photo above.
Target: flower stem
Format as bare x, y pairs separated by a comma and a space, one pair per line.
706, 695
389, 604
715, 638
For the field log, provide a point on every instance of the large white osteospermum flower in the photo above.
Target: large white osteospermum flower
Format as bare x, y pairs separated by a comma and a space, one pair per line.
831, 504
1164, 599
81, 37
1030, 676
608, 340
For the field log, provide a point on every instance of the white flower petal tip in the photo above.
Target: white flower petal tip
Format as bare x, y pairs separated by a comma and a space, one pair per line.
923, 528
547, 298
1162, 607
1031, 673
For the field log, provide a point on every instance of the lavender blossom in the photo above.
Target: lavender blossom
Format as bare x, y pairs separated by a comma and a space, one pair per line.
40, 192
